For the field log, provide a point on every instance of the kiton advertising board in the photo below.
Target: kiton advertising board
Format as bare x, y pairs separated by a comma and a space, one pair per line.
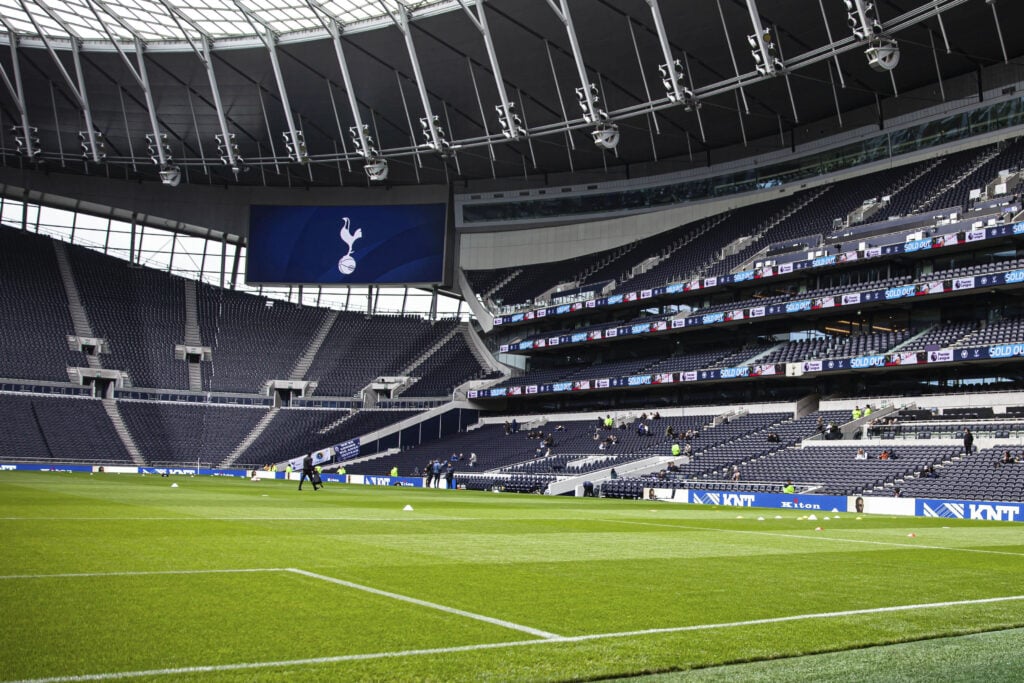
342, 245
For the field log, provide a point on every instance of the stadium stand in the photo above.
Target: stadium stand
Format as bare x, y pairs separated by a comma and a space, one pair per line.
58, 430
34, 318
141, 314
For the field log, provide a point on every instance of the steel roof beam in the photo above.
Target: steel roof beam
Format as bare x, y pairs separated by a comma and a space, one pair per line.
587, 93
294, 138
672, 69
157, 146
435, 134
510, 123
17, 91
76, 84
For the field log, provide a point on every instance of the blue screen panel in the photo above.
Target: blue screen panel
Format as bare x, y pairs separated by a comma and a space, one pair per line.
323, 245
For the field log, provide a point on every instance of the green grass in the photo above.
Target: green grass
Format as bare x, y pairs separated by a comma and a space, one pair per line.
628, 587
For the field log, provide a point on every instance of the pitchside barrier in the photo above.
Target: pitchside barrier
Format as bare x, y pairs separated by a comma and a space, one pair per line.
910, 507
366, 479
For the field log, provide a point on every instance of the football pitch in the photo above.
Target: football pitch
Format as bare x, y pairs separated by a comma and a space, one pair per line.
124, 577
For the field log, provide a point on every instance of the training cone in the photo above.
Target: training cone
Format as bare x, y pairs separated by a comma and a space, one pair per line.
911, 535
813, 518
827, 518
818, 528
174, 485
760, 519
407, 508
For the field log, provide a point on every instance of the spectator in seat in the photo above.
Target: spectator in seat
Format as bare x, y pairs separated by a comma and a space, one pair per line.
968, 441
735, 472
789, 488
861, 455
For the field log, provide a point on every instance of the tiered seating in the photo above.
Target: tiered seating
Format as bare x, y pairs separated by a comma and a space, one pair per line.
540, 277
687, 262
187, 433
916, 195
839, 471
836, 347
295, 431
976, 477
253, 339
1009, 158
139, 311
493, 448
446, 368
360, 348
941, 336
34, 317
1004, 331
483, 280
58, 429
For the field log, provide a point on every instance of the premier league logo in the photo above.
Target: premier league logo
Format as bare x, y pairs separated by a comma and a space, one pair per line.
347, 264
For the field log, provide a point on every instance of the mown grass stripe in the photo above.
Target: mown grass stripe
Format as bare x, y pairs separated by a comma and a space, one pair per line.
180, 671
431, 605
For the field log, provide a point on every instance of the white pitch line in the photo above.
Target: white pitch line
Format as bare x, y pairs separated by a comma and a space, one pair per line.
417, 518
432, 605
81, 575
819, 538
512, 644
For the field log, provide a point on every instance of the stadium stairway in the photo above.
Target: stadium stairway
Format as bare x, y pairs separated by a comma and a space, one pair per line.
409, 369
78, 315
301, 366
110, 405
250, 438
192, 336
909, 179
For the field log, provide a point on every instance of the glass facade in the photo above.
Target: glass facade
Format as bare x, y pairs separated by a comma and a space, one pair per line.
987, 119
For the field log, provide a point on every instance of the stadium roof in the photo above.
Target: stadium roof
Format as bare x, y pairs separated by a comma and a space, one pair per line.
450, 90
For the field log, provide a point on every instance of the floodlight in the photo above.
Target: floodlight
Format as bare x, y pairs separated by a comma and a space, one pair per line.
170, 176
376, 169
883, 54
606, 136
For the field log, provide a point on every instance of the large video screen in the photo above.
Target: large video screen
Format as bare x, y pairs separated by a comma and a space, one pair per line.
340, 245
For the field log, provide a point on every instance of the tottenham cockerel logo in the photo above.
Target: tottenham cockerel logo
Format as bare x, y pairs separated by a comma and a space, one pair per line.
347, 264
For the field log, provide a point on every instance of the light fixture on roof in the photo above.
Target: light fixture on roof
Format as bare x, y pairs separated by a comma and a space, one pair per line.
674, 79
765, 52
511, 125
87, 143
376, 169
228, 152
435, 135
376, 166
27, 139
605, 133
170, 175
295, 143
883, 52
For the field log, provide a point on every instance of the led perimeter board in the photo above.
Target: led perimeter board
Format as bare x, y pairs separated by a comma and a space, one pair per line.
346, 245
